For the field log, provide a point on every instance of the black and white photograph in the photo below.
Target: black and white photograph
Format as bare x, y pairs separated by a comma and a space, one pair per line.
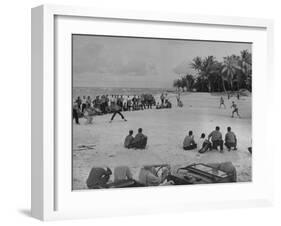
160, 112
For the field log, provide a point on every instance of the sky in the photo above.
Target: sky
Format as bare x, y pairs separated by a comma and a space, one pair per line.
102, 61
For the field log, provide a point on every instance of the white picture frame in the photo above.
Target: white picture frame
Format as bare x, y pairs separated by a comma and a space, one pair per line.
52, 198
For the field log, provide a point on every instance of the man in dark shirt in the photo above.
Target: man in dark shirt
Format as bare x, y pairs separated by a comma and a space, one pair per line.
75, 112
140, 140
216, 138
189, 143
129, 140
98, 178
230, 139
116, 109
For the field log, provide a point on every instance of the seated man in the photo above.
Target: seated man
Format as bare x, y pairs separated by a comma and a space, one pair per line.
203, 144
189, 143
122, 173
149, 177
140, 140
98, 178
168, 104
158, 106
129, 140
230, 139
216, 138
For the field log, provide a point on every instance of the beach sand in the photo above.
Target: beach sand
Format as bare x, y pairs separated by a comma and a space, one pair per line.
166, 129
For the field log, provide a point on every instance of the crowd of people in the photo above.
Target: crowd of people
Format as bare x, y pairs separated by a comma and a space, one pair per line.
105, 104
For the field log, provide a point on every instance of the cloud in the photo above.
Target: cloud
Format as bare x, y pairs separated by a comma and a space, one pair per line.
106, 58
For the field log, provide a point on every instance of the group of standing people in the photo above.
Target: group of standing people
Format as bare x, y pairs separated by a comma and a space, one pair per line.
104, 104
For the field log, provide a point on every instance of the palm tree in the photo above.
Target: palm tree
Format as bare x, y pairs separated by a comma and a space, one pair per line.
177, 83
206, 69
209, 71
189, 81
229, 69
246, 67
197, 65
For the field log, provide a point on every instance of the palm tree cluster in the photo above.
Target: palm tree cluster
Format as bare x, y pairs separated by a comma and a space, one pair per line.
234, 73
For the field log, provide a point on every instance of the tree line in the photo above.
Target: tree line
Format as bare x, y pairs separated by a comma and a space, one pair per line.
233, 73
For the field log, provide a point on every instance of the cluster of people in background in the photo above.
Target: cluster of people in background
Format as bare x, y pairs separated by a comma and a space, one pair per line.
105, 104
127, 103
164, 102
213, 141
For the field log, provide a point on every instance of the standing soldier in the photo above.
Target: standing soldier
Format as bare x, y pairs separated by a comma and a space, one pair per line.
75, 112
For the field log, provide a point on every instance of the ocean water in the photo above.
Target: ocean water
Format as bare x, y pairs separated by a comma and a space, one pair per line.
97, 91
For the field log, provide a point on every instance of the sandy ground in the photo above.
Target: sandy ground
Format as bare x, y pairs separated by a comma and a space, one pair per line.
166, 129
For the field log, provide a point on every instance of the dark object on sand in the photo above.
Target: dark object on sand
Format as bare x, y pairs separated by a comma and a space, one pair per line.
84, 147
250, 149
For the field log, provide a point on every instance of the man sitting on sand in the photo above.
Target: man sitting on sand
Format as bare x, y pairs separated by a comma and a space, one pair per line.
140, 140
230, 139
129, 140
216, 138
98, 177
148, 176
158, 106
189, 143
203, 144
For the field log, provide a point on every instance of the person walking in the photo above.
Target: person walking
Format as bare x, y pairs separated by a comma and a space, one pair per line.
235, 109
222, 102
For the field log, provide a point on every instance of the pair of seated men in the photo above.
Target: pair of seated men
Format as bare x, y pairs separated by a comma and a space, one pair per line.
138, 142
230, 139
99, 178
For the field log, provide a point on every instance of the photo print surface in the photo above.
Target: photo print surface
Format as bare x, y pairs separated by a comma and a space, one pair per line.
160, 112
